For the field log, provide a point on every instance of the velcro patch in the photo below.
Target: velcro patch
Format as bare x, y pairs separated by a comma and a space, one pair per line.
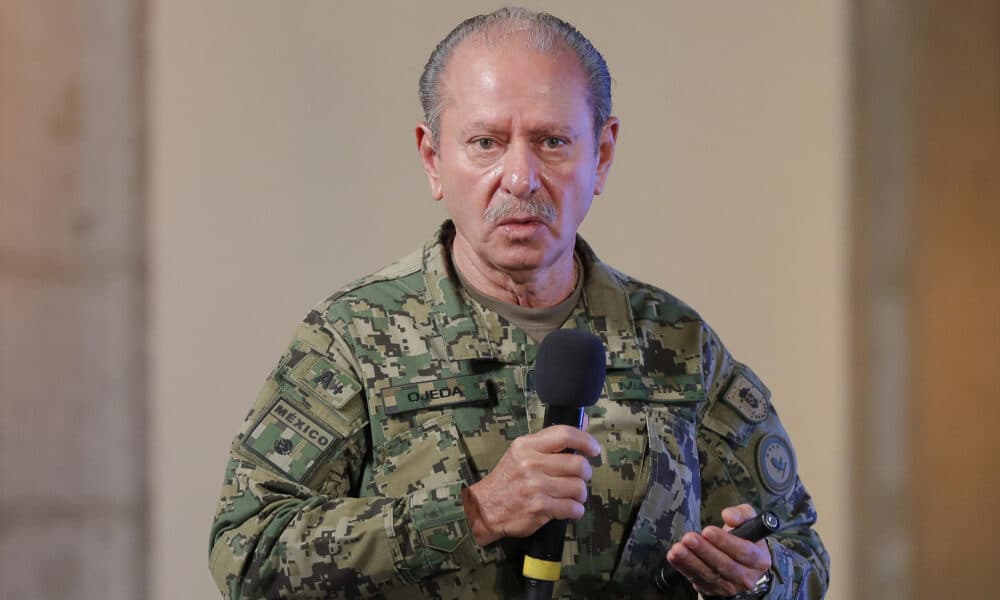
654, 388
289, 440
747, 395
320, 378
434, 394
776, 463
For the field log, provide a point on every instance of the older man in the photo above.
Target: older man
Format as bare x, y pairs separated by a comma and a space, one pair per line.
397, 447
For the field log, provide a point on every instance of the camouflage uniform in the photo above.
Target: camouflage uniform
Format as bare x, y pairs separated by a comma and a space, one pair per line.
399, 390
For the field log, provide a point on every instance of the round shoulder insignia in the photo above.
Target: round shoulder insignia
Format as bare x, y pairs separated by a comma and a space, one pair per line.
776, 463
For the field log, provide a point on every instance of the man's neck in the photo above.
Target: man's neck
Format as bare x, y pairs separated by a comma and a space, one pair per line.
538, 288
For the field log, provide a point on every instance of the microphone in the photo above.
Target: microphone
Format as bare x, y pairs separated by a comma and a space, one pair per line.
569, 375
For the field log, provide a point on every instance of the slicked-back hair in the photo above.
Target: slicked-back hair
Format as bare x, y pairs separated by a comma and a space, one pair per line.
546, 33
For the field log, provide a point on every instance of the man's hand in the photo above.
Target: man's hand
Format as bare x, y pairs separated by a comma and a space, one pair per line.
531, 485
717, 563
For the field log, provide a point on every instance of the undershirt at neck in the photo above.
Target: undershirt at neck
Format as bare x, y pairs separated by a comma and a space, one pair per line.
536, 322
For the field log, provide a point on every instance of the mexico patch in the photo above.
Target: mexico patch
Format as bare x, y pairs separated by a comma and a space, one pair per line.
747, 396
776, 463
289, 440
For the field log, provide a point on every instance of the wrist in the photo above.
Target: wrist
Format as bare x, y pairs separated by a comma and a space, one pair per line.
481, 532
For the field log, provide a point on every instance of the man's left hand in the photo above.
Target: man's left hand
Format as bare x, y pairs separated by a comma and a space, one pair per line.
717, 563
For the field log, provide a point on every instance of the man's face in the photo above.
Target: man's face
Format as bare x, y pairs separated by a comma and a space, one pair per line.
516, 164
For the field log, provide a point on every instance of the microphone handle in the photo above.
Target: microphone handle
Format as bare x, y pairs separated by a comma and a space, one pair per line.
547, 542
546, 546
563, 415
538, 589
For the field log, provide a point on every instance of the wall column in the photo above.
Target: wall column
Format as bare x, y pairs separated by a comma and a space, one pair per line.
72, 301
926, 290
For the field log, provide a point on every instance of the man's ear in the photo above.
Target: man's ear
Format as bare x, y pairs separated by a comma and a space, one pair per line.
429, 157
605, 153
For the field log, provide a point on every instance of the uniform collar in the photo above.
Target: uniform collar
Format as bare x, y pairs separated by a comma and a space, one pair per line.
472, 331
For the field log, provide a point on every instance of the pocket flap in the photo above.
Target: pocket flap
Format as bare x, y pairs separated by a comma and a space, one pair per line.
425, 457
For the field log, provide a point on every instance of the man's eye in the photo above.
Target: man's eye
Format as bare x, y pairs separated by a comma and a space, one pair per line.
485, 144
553, 143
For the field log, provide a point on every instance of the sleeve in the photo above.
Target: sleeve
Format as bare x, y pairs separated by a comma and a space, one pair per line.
292, 521
747, 457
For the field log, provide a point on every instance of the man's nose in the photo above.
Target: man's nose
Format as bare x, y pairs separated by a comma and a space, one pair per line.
520, 171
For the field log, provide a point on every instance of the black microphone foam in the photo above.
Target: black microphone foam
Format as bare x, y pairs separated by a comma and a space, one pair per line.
570, 368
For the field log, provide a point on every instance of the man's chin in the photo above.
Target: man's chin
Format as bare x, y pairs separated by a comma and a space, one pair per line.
521, 259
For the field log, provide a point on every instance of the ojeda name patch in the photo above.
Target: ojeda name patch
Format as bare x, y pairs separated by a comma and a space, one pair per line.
433, 394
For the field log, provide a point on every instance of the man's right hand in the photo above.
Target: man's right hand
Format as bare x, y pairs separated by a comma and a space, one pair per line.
531, 484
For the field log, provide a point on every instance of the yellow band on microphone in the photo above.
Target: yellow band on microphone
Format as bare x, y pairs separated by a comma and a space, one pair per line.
545, 570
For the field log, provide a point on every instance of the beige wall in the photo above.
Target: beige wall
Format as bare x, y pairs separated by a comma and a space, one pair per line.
282, 165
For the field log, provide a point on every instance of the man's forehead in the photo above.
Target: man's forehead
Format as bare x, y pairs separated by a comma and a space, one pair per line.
481, 66
497, 123
520, 42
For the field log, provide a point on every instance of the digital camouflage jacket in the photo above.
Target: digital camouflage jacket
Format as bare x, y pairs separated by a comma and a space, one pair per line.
399, 390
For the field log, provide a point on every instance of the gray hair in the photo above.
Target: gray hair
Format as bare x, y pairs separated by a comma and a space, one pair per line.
544, 32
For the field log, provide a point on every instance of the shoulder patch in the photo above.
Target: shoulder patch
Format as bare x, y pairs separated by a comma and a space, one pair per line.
776, 463
315, 374
289, 440
747, 395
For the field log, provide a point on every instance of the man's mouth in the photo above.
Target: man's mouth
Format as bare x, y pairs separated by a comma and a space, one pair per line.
521, 228
524, 220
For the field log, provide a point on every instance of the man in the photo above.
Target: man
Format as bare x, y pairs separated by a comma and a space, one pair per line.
397, 449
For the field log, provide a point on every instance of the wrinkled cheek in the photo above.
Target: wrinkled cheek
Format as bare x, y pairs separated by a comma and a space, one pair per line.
574, 208
494, 172
586, 199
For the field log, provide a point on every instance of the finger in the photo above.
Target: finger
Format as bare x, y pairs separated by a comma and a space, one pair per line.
734, 516
734, 572
563, 437
572, 488
687, 563
706, 580
562, 508
752, 555
565, 465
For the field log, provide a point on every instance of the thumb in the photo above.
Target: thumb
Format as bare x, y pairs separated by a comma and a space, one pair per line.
734, 516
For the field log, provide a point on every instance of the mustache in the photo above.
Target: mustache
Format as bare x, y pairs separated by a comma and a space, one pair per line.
506, 207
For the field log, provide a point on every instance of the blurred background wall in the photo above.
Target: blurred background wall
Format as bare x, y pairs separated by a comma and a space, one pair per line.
73, 306
238, 161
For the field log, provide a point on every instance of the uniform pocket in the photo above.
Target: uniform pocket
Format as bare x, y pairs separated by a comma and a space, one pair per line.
429, 463
427, 456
